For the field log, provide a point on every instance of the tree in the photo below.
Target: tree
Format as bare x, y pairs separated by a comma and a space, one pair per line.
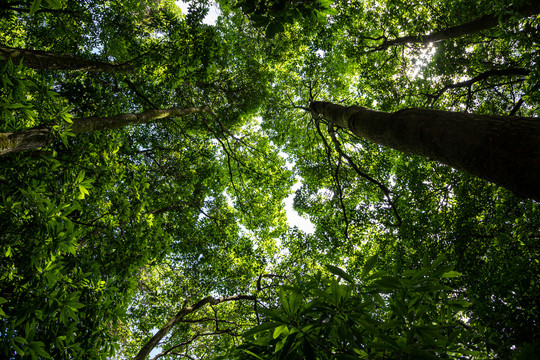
482, 23
485, 146
46, 60
150, 345
109, 235
36, 138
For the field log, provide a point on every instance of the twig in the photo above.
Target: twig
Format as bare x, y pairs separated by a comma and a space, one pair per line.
351, 162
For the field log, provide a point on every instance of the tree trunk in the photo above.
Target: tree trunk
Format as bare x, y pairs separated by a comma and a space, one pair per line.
152, 343
47, 60
39, 137
482, 23
501, 149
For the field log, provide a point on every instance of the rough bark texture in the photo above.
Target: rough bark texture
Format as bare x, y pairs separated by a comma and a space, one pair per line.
482, 23
39, 137
24, 140
47, 60
501, 149
154, 341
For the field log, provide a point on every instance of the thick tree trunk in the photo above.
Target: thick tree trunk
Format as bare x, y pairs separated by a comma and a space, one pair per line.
39, 137
501, 149
47, 60
482, 23
152, 343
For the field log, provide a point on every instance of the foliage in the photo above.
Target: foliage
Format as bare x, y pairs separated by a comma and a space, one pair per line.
107, 236
411, 315
272, 16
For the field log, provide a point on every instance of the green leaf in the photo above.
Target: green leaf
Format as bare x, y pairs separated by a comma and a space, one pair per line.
55, 4
451, 274
83, 191
372, 261
378, 298
18, 349
274, 28
35, 7
388, 283
80, 177
330, 11
252, 354
438, 260
20, 340
38, 348
325, 3
339, 272
279, 330
376, 275
261, 327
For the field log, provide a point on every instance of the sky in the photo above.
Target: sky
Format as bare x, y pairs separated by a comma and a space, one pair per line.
293, 217
210, 19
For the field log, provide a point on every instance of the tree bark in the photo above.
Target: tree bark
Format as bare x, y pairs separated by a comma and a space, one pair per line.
482, 23
154, 341
12, 7
501, 149
48, 60
38, 137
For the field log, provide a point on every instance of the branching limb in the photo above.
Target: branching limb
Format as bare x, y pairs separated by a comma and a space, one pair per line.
482, 23
480, 77
139, 94
516, 107
351, 162
188, 342
154, 341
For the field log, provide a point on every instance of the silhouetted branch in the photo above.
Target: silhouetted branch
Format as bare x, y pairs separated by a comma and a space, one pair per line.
483, 76
351, 162
154, 341
482, 23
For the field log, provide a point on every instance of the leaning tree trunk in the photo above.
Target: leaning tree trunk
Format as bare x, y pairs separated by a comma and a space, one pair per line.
480, 24
501, 149
48, 60
38, 137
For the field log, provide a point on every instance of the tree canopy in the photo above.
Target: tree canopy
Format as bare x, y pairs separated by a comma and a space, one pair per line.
146, 157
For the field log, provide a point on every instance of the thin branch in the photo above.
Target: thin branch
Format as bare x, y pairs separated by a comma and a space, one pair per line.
483, 76
188, 342
139, 94
479, 24
351, 162
516, 107
154, 341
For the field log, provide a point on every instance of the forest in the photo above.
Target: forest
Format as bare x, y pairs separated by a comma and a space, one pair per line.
156, 157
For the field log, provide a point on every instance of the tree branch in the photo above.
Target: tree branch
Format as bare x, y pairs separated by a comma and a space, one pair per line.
38, 137
154, 341
482, 23
483, 76
351, 162
193, 338
48, 60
